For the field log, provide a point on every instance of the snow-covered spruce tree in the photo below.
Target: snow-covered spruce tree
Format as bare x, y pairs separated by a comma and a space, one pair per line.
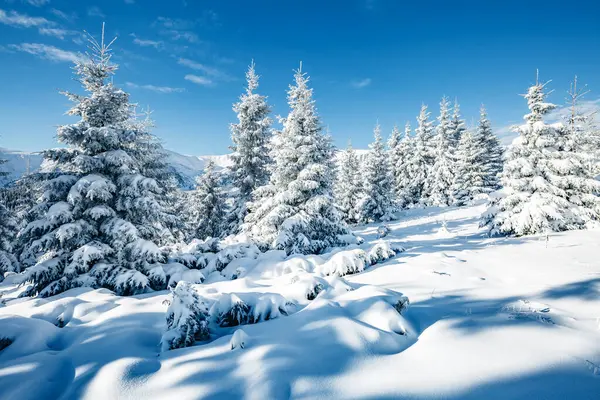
492, 154
469, 171
421, 159
349, 186
8, 228
394, 158
376, 204
582, 129
295, 212
205, 206
456, 126
101, 213
401, 170
545, 182
439, 180
250, 157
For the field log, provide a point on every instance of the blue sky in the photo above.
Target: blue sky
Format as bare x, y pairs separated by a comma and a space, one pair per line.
369, 60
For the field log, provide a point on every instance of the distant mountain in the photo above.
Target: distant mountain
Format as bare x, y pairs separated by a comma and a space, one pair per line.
188, 167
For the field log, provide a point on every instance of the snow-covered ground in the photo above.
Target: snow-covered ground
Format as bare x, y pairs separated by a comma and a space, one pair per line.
489, 319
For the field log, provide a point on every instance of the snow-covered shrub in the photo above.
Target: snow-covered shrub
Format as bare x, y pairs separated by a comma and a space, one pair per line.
382, 231
5, 342
175, 272
233, 309
345, 262
239, 339
232, 252
402, 304
187, 318
381, 251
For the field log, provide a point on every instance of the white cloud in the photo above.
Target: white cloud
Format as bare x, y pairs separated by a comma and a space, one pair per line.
57, 32
158, 89
63, 15
199, 80
95, 11
46, 52
148, 43
16, 19
37, 3
361, 83
177, 29
210, 71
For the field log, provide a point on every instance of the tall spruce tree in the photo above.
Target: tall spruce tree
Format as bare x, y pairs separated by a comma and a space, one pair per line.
421, 159
439, 180
492, 153
456, 126
394, 160
8, 228
469, 172
376, 204
349, 185
205, 205
402, 175
102, 212
545, 181
295, 212
250, 157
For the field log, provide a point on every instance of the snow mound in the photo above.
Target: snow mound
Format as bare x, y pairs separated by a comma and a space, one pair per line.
233, 309
239, 340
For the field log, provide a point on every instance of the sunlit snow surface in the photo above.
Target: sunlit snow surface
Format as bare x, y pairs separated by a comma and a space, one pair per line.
489, 319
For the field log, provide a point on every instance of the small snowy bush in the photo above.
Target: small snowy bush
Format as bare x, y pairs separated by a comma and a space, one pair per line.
345, 263
381, 251
187, 318
233, 309
239, 339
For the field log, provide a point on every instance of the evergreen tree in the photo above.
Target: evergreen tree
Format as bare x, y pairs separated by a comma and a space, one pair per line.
491, 157
349, 187
295, 212
470, 172
8, 227
545, 181
206, 205
250, 156
439, 180
456, 126
376, 204
401, 170
102, 212
394, 160
421, 159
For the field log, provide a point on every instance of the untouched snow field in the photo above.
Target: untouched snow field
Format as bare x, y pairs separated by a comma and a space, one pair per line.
489, 319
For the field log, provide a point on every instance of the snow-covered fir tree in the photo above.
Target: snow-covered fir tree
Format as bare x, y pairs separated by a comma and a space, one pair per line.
394, 159
8, 229
250, 157
206, 205
101, 215
401, 170
469, 171
349, 186
420, 161
546, 185
456, 126
295, 212
376, 204
439, 180
492, 154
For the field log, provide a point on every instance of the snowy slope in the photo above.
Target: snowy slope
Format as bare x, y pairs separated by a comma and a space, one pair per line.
489, 319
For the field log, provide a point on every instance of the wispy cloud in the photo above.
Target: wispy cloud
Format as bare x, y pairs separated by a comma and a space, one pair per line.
359, 84
16, 19
147, 43
177, 29
157, 89
95, 11
63, 15
46, 52
199, 80
215, 73
58, 32
37, 3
